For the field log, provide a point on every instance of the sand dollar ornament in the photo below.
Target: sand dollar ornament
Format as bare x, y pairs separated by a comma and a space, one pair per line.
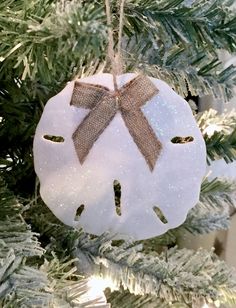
143, 137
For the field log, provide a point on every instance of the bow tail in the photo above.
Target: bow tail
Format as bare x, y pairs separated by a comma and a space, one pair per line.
143, 135
92, 126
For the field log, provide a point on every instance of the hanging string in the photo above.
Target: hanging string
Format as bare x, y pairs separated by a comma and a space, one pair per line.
116, 59
119, 52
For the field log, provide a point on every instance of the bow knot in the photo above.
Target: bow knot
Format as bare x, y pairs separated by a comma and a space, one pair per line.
117, 100
104, 104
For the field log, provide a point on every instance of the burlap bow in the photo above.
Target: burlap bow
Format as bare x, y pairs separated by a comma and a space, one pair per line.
104, 104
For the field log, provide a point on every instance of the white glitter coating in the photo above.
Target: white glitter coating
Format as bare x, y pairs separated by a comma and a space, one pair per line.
173, 186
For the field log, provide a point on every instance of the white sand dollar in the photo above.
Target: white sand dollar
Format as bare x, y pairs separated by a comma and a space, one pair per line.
173, 186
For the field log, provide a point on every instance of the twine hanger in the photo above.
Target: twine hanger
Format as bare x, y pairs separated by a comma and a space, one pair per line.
115, 58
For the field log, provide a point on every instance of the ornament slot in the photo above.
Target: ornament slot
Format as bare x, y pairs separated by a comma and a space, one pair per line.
160, 214
53, 138
117, 196
79, 211
182, 140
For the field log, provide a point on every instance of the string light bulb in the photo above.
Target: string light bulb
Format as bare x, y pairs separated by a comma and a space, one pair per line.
211, 129
97, 285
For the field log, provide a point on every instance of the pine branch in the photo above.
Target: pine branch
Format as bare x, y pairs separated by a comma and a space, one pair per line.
166, 34
19, 283
220, 146
43, 32
219, 133
69, 288
222, 189
9, 205
203, 24
178, 42
186, 70
202, 219
213, 211
29, 289
176, 275
22, 284
123, 299
210, 121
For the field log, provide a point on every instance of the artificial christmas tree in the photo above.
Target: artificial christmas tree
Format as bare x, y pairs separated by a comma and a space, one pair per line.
44, 44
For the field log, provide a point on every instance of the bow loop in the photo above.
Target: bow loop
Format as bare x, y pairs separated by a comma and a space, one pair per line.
87, 95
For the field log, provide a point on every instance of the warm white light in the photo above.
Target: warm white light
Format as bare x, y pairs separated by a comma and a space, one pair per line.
97, 285
205, 306
210, 130
92, 291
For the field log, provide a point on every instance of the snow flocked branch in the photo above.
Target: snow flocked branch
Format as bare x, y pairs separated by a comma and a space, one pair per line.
22, 282
175, 275
219, 132
157, 37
